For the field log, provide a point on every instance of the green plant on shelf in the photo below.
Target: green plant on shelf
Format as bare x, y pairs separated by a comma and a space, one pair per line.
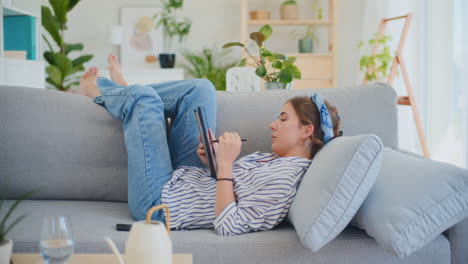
209, 64
309, 33
62, 68
272, 67
316, 9
172, 27
376, 66
289, 2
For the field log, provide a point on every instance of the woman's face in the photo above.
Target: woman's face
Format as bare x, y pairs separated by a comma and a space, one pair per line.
287, 131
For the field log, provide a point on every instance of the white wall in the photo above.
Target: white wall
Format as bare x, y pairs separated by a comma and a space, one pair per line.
215, 22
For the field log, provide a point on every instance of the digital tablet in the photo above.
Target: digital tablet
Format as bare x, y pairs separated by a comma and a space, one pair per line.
200, 116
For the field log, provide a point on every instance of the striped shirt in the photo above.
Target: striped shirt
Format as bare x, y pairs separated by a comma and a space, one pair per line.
264, 187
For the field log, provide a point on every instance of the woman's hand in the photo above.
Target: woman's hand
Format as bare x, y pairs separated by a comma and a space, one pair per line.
228, 149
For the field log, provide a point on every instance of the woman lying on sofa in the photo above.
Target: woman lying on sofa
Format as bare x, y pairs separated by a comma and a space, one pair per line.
251, 194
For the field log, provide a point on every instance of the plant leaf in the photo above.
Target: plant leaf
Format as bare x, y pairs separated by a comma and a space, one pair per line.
258, 37
72, 4
55, 75
242, 62
64, 64
16, 221
285, 76
4, 195
60, 10
81, 60
261, 71
49, 57
77, 69
72, 47
49, 22
277, 65
291, 59
271, 58
360, 44
12, 208
266, 30
233, 44
265, 53
47, 41
279, 56
295, 72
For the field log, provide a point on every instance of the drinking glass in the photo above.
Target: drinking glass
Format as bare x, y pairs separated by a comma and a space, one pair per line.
56, 243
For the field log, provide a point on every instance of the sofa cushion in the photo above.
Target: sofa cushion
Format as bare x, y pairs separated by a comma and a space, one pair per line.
413, 200
335, 185
92, 221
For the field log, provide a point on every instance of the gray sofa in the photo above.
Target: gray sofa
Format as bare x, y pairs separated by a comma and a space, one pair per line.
73, 152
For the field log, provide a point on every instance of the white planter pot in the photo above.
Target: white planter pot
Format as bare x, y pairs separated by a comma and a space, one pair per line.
5, 251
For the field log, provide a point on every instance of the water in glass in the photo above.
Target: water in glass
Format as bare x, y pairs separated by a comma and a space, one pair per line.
56, 250
56, 243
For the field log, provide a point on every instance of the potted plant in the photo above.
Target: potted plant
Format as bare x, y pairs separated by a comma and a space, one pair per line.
6, 245
62, 69
289, 10
306, 40
277, 70
172, 28
376, 66
211, 65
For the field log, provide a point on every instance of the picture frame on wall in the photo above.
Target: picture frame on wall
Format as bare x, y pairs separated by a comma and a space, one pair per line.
140, 38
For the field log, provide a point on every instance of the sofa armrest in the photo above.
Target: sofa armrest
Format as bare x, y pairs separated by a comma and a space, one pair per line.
407, 152
458, 237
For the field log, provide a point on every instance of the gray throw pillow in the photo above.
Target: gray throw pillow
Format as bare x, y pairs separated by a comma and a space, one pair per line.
334, 187
413, 200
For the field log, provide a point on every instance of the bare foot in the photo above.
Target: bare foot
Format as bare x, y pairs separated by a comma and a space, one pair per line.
115, 70
88, 85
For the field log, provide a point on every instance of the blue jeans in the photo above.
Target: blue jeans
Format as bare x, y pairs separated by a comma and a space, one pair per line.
151, 158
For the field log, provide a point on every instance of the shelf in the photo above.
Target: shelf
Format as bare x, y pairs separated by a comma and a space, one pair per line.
303, 55
290, 22
310, 55
11, 11
16, 70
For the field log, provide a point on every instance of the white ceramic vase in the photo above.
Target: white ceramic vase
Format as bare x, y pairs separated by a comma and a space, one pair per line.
277, 85
5, 251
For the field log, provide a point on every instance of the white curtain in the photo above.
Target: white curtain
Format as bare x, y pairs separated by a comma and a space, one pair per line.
447, 87
436, 57
460, 95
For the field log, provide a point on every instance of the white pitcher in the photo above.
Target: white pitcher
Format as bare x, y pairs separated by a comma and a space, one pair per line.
148, 241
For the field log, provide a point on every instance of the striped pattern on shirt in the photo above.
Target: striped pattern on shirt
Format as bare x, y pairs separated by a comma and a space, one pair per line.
264, 187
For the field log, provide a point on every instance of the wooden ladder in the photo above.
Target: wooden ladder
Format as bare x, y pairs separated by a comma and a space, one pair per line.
398, 60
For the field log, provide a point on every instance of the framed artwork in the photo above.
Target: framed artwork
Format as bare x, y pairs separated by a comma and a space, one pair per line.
140, 36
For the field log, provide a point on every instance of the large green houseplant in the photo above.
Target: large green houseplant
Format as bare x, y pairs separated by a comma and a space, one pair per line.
172, 27
210, 64
6, 244
62, 68
276, 69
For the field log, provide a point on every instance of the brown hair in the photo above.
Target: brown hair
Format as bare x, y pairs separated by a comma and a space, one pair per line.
308, 114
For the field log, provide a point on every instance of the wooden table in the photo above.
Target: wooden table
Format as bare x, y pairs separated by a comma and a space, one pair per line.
21, 258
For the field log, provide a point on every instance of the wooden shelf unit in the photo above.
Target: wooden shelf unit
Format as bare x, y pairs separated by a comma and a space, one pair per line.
318, 69
289, 22
13, 71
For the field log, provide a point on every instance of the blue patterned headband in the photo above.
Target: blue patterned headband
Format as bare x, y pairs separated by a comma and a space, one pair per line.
325, 120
